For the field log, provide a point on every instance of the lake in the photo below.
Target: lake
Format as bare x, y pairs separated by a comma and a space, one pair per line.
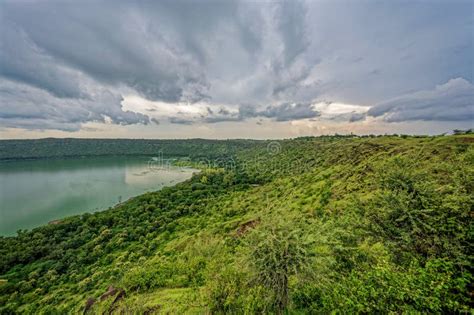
33, 193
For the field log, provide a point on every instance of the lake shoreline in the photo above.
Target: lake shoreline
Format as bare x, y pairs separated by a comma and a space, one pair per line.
38, 192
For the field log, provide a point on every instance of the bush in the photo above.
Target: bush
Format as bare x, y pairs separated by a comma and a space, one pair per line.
277, 251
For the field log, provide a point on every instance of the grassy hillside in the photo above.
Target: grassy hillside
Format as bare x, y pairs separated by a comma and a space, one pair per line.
309, 225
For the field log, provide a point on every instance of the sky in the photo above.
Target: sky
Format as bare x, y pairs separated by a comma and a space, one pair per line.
234, 69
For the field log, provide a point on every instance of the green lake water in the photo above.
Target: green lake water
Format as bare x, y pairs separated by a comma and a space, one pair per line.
33, 193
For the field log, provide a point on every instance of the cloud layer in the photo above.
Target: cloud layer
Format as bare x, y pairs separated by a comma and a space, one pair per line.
63, 64
453, 101
24, 106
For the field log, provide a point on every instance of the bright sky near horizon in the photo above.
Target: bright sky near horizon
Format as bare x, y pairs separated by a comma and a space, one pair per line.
234, 69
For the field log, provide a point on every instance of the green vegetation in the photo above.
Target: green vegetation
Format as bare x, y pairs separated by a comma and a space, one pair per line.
309, 225
68, 147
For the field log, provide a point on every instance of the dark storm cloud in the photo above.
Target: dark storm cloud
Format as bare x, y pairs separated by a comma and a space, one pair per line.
452, 101
70, 62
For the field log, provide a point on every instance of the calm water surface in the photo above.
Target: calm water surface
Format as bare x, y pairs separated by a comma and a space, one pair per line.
33, 193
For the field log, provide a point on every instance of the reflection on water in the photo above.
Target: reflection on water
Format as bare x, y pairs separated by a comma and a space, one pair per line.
33, 193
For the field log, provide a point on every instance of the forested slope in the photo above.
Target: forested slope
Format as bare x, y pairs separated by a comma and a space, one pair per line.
310, 225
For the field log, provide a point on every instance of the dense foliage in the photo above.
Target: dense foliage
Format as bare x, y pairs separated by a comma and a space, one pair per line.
309, 225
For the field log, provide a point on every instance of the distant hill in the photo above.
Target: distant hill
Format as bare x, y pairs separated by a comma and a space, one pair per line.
72, 147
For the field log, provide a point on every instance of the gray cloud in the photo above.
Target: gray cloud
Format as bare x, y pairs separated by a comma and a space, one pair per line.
22, 60
288, 111
33, 108
292, 26
181, 121
349, 117
74, 60
452, 101
171, 51
217, 119
412, 45
281, 112
357, 117
93, 38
